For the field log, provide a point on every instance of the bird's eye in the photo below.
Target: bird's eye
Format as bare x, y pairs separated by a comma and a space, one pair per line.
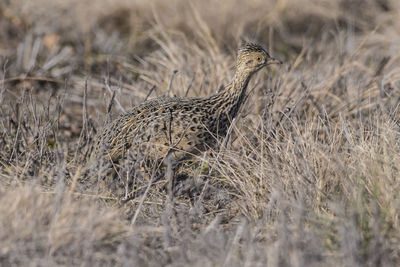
259, 59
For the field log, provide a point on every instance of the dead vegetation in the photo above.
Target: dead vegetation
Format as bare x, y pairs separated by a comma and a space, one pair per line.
309, 175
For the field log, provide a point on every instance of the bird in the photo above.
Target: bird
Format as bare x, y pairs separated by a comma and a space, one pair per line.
182, 125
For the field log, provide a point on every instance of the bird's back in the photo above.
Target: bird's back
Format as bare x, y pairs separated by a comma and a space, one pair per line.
185, 125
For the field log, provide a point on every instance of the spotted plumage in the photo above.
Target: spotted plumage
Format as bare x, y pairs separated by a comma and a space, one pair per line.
182, 125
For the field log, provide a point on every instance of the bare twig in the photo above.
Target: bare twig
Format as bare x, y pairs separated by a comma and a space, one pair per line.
3, 87
170, 175
170, 82
107, 83
151, 182
85, 128
109, 107
149, 93
189, 86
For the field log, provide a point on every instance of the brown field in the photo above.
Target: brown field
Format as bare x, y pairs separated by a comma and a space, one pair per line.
309, 176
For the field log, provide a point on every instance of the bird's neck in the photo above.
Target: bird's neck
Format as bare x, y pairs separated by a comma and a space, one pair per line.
233, 95
239, 84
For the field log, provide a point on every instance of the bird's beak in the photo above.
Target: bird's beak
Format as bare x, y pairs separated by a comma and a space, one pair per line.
272, 60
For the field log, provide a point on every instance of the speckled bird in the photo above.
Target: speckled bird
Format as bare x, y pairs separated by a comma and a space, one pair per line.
182, 125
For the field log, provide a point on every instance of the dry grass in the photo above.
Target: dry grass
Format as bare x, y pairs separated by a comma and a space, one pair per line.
309, 175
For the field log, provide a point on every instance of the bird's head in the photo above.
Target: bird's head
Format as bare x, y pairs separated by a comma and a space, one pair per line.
252, 57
